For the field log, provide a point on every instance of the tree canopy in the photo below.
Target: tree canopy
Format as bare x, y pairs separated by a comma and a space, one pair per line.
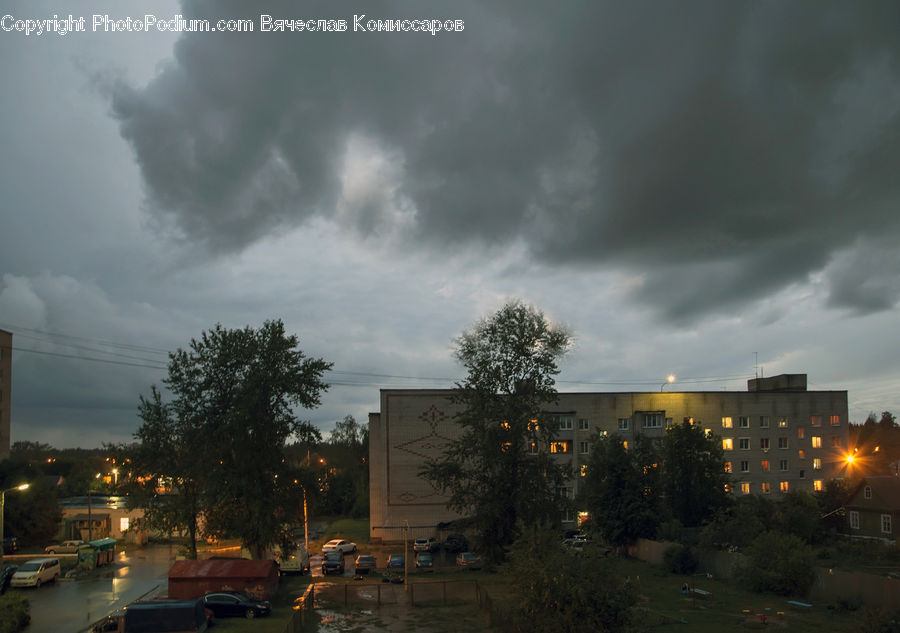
694, 475
499, 470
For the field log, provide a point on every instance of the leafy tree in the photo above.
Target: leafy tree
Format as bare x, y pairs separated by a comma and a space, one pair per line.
554, 591
31, 515
694, 475
345, 481
797, 513
737, 524
779, 563
621, 489
234, 394
511, 360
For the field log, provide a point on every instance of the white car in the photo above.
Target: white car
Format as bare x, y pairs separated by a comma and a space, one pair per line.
66, 547
339, 545
36, 572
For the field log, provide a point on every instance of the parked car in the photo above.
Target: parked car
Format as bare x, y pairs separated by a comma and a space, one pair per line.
66, 547
468, 560
6, 574
10, 545
333, 562
230, 604
36, 572
429, 544
339, 545
364, 564
396, 561
424, 561
456, 543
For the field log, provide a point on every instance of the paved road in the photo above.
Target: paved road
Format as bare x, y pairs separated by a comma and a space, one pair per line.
70, 606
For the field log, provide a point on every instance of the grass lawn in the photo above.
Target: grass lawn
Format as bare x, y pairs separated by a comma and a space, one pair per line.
357, 530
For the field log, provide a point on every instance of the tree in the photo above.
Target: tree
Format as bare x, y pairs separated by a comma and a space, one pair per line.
346, 481
621, 489
554, 591
780, 563
489, 471
234, 394
694, 475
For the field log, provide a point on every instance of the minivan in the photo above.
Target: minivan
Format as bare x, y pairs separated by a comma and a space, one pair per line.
36, 572
297, 562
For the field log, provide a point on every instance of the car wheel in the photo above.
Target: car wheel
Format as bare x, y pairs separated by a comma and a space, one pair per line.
250, 614
51, 551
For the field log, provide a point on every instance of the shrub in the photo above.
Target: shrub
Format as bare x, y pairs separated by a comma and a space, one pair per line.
14, 612
680, 560
780, 563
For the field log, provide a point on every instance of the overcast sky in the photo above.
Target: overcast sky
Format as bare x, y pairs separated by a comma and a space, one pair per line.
689, 186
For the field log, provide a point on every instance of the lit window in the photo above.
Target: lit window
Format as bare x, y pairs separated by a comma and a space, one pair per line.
817, 485
815, 420
782, 423
835, 441
764, 443
764, 465
505, 446
782, 442
801, 454
727, 423
652, 421
867, 492
583, 470
727, 467
744, 422
625, 445
533, 425
835, 420
584, 447
886, 524
563, 446
727, 444
782, 465
707, 432
505, 425
744, 443
817, 463
728, 490
815, 441
800, 433
763, 421
124, 523
745, 466
624, 424
783, 486
745, 488
766, 487
583, 424
854, 519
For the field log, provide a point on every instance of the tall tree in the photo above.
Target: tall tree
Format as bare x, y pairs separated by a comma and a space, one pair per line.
621, 489
236, 392
694, 475
489, 472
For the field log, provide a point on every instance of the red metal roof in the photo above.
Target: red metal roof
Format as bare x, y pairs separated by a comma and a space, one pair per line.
232, 568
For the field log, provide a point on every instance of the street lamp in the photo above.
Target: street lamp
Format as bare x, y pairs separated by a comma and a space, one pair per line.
2, 502
670, 378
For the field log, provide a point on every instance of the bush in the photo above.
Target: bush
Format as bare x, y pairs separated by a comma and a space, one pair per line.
780, 563
680, 560
14, 612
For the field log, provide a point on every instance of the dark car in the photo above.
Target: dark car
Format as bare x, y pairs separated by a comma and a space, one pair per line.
396, 561
6, 575
468, 560
456, 543
424, 561
333, 562
364, 563
231, 604
10, 545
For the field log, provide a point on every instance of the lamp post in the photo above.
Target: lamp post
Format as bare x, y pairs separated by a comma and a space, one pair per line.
2, 502
669, 379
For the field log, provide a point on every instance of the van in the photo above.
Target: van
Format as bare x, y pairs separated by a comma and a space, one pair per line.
296, 562
36, 572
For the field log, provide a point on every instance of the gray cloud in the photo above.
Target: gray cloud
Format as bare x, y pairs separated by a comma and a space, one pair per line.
722, 150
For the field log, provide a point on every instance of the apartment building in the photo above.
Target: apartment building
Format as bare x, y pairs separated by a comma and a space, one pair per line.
776, 437
5, 391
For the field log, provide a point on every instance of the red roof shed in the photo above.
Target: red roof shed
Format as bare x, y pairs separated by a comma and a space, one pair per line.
195, 578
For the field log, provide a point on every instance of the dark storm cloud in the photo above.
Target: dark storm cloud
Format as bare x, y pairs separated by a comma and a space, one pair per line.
723, 151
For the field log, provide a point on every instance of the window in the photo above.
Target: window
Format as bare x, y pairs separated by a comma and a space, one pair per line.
854, 520
817, 463
782, 442
745, 466
123, 523
745, 488
764, 465
834, 420
766, 487
583, 424
565, 423
583, 470
727, 467
815, 420
867, 492
728, 490
533, 448
624, 424
801, 454
783, 486
815, 441
727, 423
744, 443
886, 524
800, 433
782, 423
669, 424
652, 421
561, 446
817, 485
835, 441
782, 465
763, 421
744, 422
625, 444
802, 474
727, 444
533, 426
764, 443
584, 447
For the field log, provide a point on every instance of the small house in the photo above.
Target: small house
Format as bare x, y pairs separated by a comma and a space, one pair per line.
874, 508
195, 578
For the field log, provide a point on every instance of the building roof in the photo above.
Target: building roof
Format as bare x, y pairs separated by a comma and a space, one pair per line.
885, 493
221, 568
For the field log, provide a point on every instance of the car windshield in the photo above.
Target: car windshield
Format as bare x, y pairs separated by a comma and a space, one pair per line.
30, 567
333, 556
366, 559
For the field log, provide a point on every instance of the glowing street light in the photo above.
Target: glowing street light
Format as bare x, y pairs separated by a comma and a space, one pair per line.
2, 502
669, 379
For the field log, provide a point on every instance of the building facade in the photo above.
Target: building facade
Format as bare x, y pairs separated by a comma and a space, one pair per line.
5, 391
776, 437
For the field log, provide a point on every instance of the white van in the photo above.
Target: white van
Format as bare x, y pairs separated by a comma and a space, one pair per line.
297, 562
36, 572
